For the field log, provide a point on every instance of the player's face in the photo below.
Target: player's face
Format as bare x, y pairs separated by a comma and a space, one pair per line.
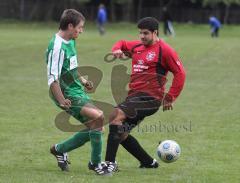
146, 36
75, 31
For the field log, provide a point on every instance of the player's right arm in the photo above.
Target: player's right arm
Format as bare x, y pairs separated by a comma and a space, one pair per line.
58, 95
122, 46
54, 67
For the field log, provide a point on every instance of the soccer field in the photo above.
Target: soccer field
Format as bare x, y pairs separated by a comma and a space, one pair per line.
205, 119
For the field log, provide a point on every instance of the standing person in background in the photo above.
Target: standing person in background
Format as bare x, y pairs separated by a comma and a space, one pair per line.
215, 25
101, 19
167, 21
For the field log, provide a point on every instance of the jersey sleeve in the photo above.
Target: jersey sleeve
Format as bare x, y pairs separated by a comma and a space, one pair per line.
125, 45
173, 64
55, 62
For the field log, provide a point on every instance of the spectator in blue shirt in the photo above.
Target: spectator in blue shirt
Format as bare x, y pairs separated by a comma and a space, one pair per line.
101, 18
215, 25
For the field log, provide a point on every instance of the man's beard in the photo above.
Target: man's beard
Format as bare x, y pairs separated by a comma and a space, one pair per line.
147, 42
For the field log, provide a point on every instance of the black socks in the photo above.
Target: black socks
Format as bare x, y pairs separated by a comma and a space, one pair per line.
133, 147
130, 144
112, 143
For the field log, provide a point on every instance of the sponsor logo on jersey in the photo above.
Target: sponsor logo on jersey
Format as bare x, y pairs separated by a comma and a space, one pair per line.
140, 62
150, 56
73, 62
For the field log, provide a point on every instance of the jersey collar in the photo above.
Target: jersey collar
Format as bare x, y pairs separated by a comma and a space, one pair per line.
63, 40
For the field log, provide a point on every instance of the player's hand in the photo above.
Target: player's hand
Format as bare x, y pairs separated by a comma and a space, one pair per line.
66, 104
89, 85
167, 103
118, 53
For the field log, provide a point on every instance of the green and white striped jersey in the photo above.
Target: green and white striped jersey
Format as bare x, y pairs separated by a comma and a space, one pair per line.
62, 65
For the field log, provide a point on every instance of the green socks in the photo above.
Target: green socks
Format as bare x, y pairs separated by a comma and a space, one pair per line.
79, 139
75, 141
96, 143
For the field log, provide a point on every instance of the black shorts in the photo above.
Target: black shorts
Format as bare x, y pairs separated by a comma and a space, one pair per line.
137, 107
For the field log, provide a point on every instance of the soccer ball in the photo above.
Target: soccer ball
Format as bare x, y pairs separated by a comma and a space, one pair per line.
168, 151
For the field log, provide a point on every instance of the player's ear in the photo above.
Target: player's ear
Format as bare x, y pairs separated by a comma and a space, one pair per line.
155, 32
70, 26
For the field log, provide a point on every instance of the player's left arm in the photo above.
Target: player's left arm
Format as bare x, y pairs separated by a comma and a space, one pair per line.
86, 83
123, 48
175, 66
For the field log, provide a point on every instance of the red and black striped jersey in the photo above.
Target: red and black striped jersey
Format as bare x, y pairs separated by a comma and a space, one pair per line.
150, 66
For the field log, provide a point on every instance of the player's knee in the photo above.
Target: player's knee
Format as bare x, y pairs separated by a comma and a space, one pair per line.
117, 132
100, 117
113, 115
124, 136
117, 117
97, 122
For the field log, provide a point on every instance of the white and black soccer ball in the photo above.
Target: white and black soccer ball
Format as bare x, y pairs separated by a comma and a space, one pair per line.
168, 151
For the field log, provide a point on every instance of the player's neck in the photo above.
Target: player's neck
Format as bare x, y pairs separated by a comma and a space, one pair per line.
155, 40
64, 34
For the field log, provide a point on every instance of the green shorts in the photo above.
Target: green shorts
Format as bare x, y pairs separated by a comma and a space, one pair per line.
77, 103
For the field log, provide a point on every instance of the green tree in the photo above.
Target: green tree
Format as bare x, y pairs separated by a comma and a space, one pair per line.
128, 8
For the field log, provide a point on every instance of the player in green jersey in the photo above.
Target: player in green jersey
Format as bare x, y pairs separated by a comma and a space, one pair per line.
67, 91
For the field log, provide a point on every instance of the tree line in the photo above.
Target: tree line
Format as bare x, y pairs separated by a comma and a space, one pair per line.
118, 10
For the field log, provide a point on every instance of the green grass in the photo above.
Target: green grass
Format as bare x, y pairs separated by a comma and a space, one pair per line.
209, 103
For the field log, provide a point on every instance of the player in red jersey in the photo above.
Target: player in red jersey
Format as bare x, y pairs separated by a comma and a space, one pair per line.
152, 59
